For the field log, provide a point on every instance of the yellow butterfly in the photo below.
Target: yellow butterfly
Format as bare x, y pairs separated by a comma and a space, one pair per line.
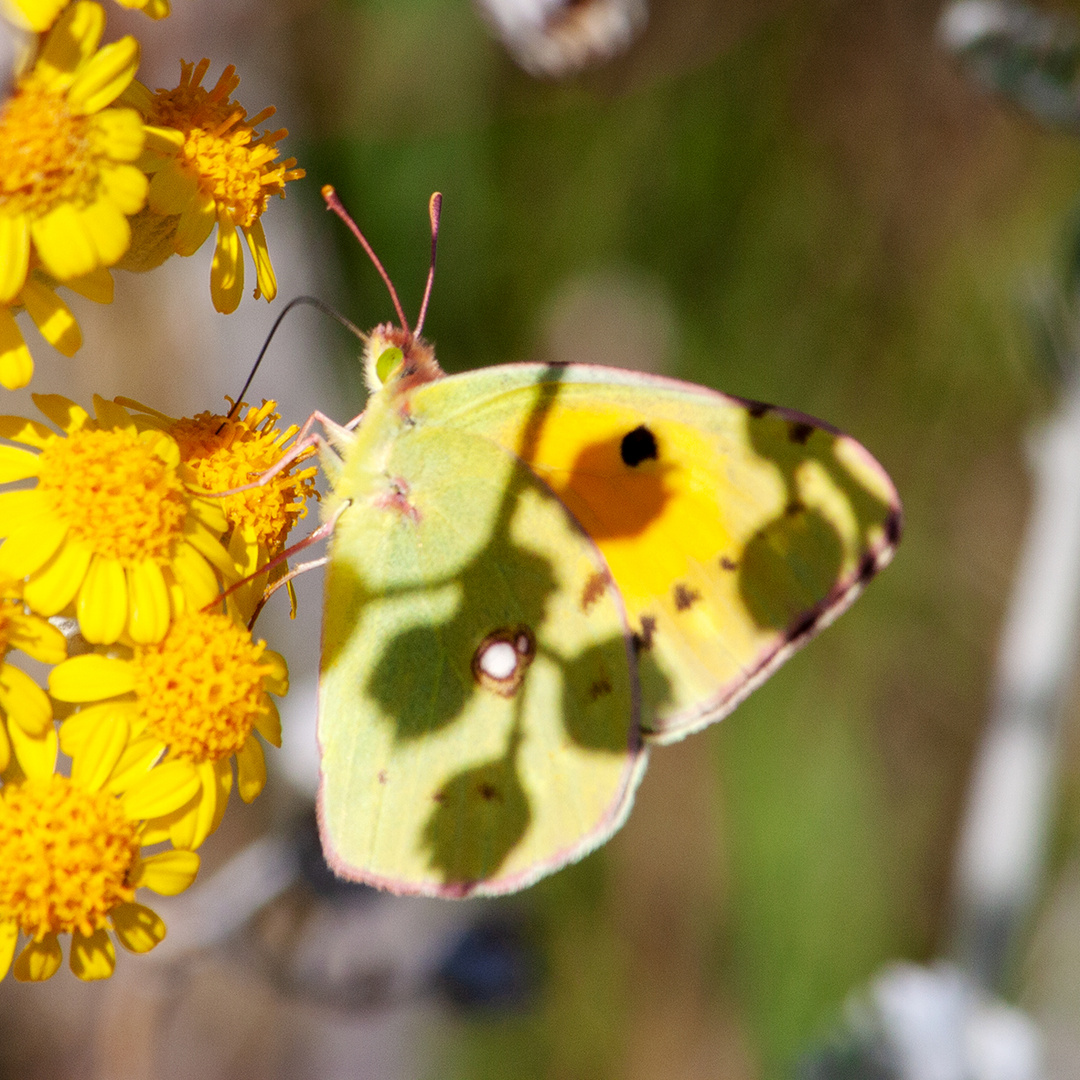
536, 571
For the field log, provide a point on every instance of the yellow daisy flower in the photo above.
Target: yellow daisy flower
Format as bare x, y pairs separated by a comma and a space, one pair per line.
66, 178
39, 15
229, 452
71, 855
199, 695
52, 317
223, 172
111, 527
24, 706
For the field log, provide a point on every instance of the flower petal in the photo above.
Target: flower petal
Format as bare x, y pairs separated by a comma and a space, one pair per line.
77, 728
101, 80
73, 40
149, 609
172, 190
91, 678
108, 229
9, 938
35, 753
54, 586
96, 286
29, 547
16, 464
100, 753
40, 640
137, 928
25, 703
260, 253
196, 223
102, 608
167, 873
14, 255
126, 187
64, 245
92, 957
40, 960
250, 769
141, 755
166, 788
227, 269
276, 680
268, 723
62, 411
16, 363
5, 761
195, 577
52, 317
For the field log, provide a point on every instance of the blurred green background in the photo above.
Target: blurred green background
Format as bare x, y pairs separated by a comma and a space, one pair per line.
830, 218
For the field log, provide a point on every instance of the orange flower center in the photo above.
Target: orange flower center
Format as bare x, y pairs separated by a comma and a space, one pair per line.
201, 688
243, 450
116, 495
65, 856
46, 152
231, 162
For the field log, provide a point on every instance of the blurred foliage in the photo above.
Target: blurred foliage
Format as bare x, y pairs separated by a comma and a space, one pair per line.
842, 225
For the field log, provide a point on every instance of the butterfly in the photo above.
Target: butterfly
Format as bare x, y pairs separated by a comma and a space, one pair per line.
538, 571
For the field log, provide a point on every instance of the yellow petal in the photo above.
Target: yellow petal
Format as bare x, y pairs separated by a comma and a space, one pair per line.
163, 142
54, 586
141, 755
16, 464
207, 807
126, 186
137, 928
168, 873
156, 9
65, 247
260, 253
52, 317
30, 547
40, 960
195, 577
16, 363
102, 608
35, 753
96, 286
209, 512
14, 255
25, 703
227, 269
28, 432
172, 190
41, 640
91, 678
250, 769
223, 775
137, 96
5, 761
108, 229
268, 723
166, 788
276, 680
73, 40
99, 755
210, 547
104, 76
9, 938
110, 414
92, 957
77, 728
62, 411
149, 609
196, 223
38, 15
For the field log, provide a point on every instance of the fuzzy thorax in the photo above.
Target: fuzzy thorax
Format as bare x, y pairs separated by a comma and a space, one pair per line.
418, 363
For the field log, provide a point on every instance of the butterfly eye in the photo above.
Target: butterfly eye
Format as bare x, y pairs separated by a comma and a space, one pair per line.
499, 664
389, 359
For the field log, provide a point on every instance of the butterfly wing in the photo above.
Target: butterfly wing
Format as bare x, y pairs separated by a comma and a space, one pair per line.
734, 531
478, 703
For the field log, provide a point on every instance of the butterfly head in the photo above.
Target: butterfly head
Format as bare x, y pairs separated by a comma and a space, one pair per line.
398, 359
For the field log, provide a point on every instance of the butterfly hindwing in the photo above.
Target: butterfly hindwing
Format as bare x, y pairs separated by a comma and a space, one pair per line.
478, 704
734, 531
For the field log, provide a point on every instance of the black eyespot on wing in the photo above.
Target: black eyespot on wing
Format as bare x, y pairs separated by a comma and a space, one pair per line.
867, 568
894, 526
799, 433
803, 627
757, 409
728, 564
637, 446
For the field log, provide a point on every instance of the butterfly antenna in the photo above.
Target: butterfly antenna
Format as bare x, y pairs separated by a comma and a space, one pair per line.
313, 302
434, 212
334, 203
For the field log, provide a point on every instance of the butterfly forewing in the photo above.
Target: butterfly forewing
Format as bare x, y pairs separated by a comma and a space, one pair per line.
734, 531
